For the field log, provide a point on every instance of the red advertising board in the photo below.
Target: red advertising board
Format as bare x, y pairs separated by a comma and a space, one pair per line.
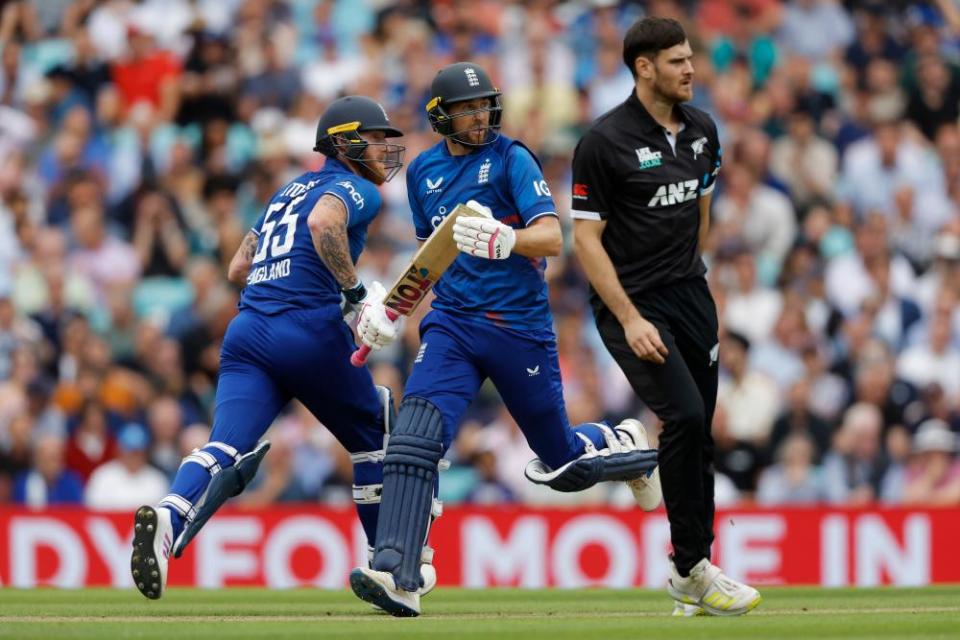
311, 546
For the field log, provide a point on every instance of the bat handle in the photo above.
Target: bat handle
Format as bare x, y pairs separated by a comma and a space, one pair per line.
359, 357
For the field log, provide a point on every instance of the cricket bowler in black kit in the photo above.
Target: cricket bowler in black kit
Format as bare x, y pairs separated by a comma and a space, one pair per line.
643, 176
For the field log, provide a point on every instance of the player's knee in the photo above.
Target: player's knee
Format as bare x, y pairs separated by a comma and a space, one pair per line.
690, 418
417, 439
213, 456
367, 477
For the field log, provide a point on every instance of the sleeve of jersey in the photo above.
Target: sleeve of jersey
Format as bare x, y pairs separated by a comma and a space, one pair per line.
259, 223
709, 179
591, 180
362, 200
421, 225
527, 186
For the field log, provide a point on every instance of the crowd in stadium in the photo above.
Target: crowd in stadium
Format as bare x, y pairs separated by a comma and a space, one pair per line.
139, 140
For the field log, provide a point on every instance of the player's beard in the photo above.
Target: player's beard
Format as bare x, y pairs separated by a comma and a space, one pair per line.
372, 170
474, 137
675, 91
379, 171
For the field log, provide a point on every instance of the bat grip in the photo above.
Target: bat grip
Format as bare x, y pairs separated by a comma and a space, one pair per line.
359, 357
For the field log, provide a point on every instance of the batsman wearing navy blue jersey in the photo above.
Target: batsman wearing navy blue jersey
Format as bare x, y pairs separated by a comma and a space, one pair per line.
289, 339
490, 319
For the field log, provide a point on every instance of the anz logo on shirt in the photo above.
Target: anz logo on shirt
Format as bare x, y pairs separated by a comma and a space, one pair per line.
675, 193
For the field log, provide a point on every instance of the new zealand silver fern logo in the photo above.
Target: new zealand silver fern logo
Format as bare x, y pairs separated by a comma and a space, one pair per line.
697, 146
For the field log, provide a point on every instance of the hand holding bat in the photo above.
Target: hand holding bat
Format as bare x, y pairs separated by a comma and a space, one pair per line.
433, 258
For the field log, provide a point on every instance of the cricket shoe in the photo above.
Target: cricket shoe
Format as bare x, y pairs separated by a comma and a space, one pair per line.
152, 539
709, 588
428, 573
378, 588
681, 610
646, 489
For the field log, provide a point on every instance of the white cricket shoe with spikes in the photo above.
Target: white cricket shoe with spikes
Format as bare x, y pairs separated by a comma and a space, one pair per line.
428, 573
152, 539
379, 589
681, 610
708, 587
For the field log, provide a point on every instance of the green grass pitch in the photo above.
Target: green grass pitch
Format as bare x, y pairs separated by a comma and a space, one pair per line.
593, 614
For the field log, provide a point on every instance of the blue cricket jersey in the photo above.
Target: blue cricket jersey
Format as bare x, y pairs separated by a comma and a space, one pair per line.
287, 273
506, 177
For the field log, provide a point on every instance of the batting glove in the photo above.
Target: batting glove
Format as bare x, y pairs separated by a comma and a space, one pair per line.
484, 237
375, 328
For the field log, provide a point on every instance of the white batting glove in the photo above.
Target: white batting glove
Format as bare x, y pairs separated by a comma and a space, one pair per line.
375, 328
484, 237
480, 208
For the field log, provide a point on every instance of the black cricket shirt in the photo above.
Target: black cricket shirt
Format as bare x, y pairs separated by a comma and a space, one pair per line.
626, 172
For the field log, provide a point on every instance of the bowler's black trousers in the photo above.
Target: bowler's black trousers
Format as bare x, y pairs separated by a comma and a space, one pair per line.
683, 394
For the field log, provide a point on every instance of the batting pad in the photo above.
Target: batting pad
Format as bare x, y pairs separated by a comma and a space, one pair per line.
409, 474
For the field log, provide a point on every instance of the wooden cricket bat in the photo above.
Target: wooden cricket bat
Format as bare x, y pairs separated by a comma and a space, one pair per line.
433, 257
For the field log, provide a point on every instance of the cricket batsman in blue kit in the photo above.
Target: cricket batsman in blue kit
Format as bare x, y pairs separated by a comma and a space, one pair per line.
289, 339
490, 319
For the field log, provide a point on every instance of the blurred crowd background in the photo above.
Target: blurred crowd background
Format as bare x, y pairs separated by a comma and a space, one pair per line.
140, 139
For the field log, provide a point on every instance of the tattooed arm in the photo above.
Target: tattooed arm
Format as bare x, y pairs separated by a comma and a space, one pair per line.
328, 228
243, 259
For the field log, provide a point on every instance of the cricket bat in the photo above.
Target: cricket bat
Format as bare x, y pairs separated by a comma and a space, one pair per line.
433, 257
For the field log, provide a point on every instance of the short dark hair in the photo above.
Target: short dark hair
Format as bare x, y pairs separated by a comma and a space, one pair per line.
648, 36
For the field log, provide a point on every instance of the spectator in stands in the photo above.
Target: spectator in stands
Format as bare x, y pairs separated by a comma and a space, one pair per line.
937, 359
848, 282
147, 74
158, 236
738, 461
793, 479
804, 161
892, 316
935, 101
875, 381
85, 71
778, 357
816, 29
888, 160
751, 309
854, 468
933, 474
101, 257
799, 420
127, 481
49, 482
760, 215
277, 84
749, 398
488, 489
943, 276
828, 392
91, 444
165, 421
